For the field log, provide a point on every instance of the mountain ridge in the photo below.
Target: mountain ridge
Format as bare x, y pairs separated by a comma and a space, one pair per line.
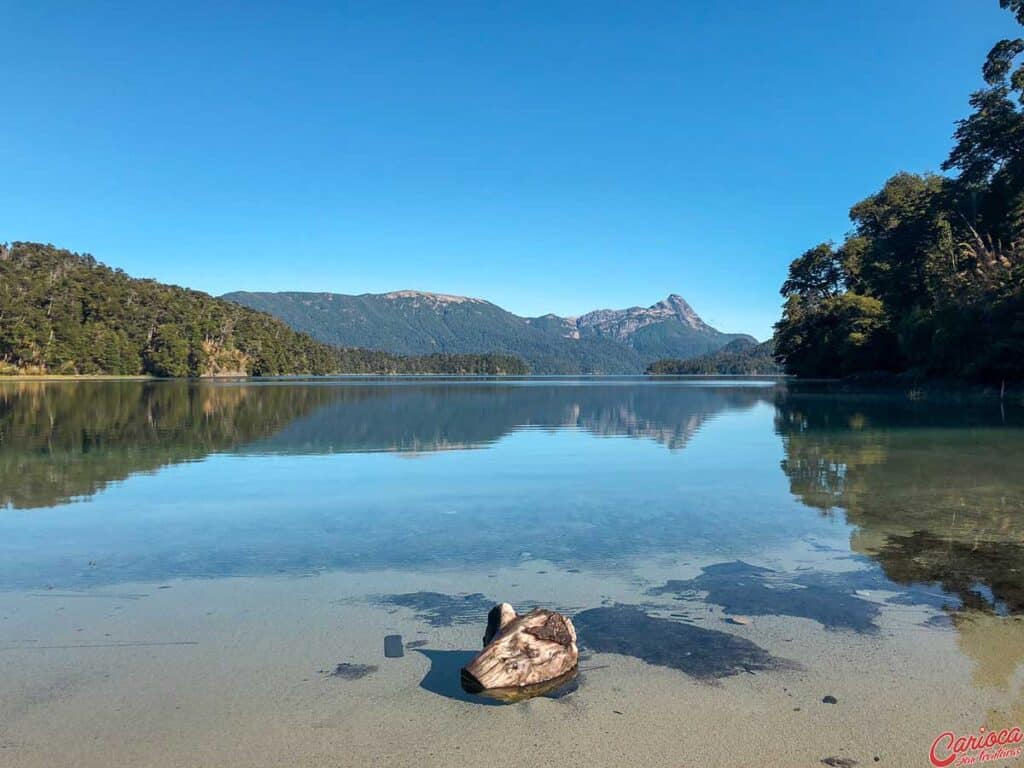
408, 321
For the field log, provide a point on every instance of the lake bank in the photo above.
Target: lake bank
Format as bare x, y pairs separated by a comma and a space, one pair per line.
239, 672
71, 377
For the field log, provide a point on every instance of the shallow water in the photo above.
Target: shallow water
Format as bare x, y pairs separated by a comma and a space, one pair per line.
205, 573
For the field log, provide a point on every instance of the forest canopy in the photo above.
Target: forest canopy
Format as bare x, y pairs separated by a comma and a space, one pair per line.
931, 277
65, 313
737, 358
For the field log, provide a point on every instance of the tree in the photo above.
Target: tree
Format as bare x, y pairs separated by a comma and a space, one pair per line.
168, 353
816, 275
62, 312
989, 149
931, 278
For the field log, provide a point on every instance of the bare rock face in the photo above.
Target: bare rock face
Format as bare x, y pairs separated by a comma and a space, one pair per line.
522, 651
622, 323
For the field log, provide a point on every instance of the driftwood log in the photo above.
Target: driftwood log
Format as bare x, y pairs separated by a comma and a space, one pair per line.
522, 652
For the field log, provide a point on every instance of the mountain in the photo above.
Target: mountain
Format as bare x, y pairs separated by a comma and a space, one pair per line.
417, 322
65, 313
668, 328
741, 357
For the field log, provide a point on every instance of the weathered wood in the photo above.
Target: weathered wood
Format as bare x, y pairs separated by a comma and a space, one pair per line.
559, 684
522, 650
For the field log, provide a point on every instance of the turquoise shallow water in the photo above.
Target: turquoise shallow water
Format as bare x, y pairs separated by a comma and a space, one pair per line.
205, 572
112, 482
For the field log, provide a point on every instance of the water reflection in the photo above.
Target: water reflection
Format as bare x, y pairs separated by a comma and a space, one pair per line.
935, 491
446, 416
60, 441
936, 495
294, 480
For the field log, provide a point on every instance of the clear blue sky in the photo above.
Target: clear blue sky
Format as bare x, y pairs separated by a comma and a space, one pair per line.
548, 156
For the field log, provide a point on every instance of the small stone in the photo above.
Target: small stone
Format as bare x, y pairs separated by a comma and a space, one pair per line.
393, 647
348, 671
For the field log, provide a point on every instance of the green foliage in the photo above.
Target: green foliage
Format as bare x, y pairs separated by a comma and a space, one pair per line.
932, 276
168, 352
817, 274
62, 313
737, 358
416, 324
676, 340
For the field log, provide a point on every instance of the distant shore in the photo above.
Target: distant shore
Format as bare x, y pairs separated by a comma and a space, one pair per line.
74, 377
144, 377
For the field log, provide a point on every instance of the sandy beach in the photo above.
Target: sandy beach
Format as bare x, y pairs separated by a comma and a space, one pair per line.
237, 672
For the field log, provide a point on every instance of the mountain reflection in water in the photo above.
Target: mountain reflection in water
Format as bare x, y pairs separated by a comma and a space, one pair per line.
62, 440
259, 477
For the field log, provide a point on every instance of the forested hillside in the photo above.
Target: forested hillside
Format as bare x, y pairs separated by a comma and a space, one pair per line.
931, 279
418, 322
65, 313
737, 358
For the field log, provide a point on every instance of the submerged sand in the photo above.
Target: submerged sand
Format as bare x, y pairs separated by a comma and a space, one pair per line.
238, 672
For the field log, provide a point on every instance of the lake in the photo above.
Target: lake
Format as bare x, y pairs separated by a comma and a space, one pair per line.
203, 573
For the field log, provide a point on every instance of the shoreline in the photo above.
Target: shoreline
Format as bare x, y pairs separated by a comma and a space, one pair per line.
145, 377
76, 377
908, 387
894, 385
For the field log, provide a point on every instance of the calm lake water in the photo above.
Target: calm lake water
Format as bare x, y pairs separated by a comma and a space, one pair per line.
204, 573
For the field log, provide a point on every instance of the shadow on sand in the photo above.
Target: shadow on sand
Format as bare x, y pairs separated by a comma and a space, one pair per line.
444, 676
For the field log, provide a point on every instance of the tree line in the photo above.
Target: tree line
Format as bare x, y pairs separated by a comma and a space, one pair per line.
737, 358
931, 278
65, 313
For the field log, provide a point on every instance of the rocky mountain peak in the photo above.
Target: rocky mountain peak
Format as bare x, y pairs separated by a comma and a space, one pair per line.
679, 307
418, 322
621, 323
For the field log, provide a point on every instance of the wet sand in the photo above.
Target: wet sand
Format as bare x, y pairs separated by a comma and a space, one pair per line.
238, 672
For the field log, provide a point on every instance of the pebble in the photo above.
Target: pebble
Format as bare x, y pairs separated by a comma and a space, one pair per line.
393, 647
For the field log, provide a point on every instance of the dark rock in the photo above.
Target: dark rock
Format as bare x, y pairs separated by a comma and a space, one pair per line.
701, 653
393, 648
348, 671
440, 610
741, 588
